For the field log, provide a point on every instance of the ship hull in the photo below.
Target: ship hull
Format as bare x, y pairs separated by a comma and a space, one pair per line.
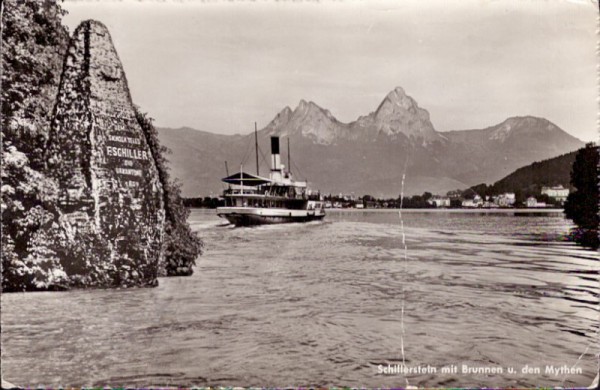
245, 216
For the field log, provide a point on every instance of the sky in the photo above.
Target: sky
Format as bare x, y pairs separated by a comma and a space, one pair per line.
220, 66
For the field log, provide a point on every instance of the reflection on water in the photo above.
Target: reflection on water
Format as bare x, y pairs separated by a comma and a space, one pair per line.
585, 237
318, 304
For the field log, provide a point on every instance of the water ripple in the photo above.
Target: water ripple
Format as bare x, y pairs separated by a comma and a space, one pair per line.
318, 304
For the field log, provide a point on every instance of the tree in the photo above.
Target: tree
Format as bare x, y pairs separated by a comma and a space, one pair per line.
582, 204
182, 245
455, 203
33, 44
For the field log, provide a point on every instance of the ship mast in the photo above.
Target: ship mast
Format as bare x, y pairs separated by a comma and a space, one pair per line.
227, 172
289, 165
242, 180
256, 147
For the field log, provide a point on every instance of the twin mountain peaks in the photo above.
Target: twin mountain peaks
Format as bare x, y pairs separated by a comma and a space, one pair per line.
397, 114
371, 154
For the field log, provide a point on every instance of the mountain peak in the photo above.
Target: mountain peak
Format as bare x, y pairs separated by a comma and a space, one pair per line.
310, 105
399, 113
287, 111
281, 119
526, 119
523, 125
312, 121
399, 99
397, 94
311, 110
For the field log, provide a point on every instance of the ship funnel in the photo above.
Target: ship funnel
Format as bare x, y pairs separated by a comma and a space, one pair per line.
275, 157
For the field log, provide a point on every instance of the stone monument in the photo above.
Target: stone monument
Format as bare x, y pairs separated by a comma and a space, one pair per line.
111, 197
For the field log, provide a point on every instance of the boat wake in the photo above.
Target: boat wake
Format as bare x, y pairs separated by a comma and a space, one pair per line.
198, 226
279, 226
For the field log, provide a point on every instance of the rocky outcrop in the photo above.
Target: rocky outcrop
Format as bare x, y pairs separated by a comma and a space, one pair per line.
398, 114
86, 197
110, 195
33, 47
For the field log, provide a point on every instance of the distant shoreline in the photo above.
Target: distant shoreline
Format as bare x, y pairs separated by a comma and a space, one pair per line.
433, 210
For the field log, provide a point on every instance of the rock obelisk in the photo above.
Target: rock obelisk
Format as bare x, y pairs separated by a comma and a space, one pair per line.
111, 197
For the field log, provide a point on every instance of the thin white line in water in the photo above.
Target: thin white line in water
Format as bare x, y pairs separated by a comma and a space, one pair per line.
405, 269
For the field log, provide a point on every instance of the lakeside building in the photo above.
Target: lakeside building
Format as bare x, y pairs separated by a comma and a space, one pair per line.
507, 199
347, 197
558, 193
455, 194
471, 203
372, 204
439, 201
533, 203
468, 203
477, 201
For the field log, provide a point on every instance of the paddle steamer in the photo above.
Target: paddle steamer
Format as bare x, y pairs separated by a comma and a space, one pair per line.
256, 200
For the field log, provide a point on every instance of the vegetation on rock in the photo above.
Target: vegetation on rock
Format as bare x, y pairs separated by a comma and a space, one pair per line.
40, 251
182, 246
33, 44
529, 180
582, 204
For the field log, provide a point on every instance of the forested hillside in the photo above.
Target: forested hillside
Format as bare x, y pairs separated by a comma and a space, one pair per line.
531, 178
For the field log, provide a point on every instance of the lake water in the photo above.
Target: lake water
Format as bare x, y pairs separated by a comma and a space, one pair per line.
327, 303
